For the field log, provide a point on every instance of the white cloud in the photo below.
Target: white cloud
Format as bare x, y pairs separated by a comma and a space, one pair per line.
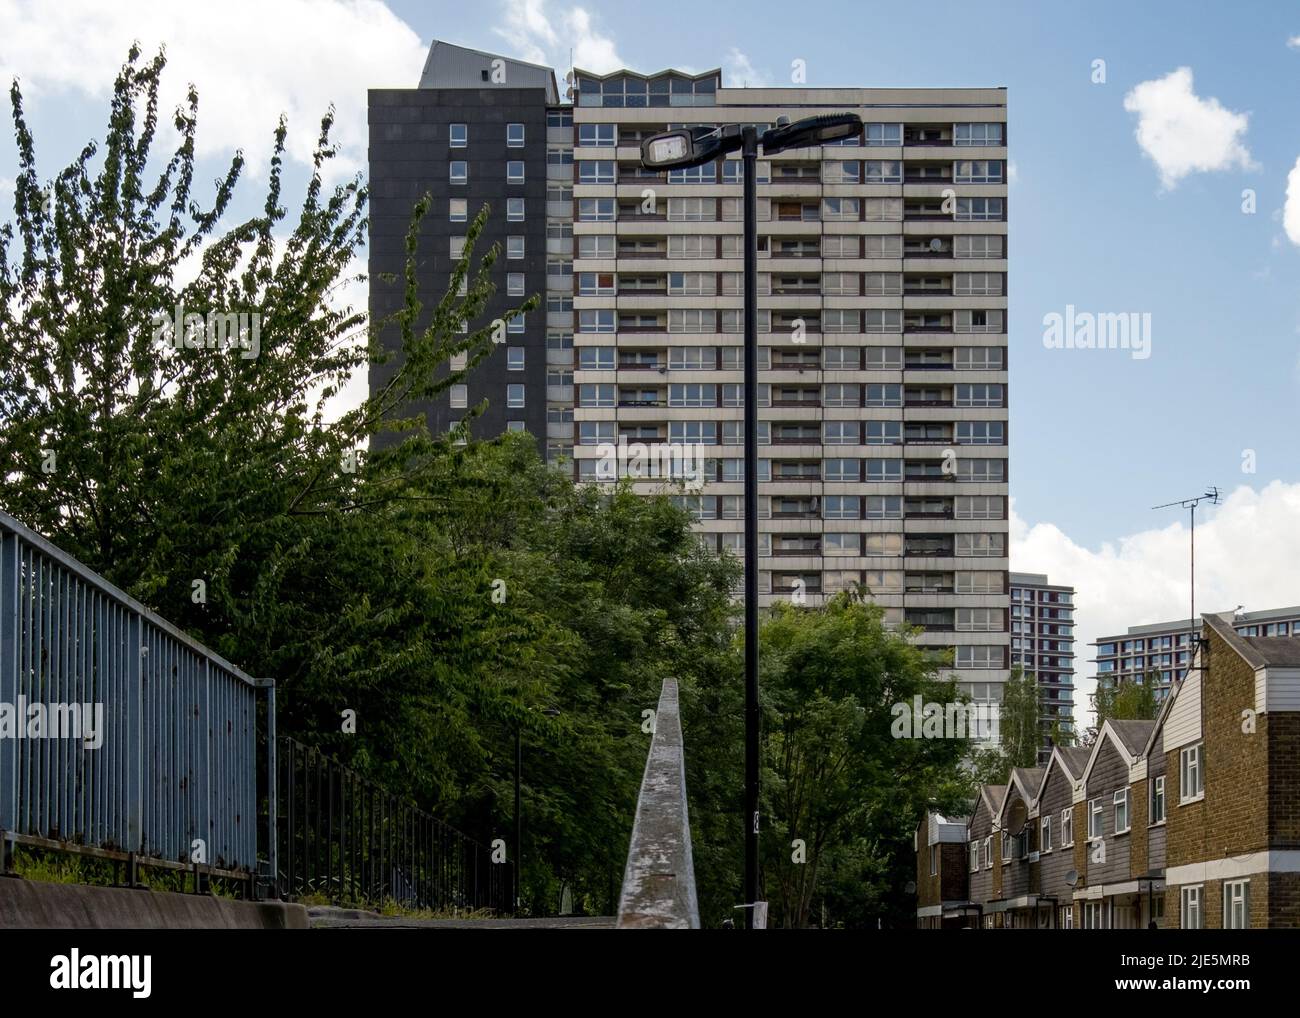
738, 72
1291, 210
1294, 42
1182, 133
540, 33
1247, 553
1013, 172
301, 56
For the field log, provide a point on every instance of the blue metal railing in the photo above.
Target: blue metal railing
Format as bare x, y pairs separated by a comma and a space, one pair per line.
177, 757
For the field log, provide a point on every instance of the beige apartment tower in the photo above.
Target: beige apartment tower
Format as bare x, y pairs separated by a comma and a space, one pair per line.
882, 333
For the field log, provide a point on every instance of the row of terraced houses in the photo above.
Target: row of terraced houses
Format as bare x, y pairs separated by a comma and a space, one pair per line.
1188, 821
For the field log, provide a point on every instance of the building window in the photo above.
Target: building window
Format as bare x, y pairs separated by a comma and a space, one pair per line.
1067, 827
988, 852
934, 860
514, 247
598, 210
515, 323
1121, 811
1236, 905
1045, 838
1094, 819
977, 135
597, 171
514, 425
514, 284
974, 857
1067, 917
1191, 774
1156, 798
597, 135
458, 210
459, 134
1190, 919
515, 171
886, 135
515, 395
1094, 917
514, 358
514, 135
459, 397
459, 171
1006, 847
456, 247
514, 210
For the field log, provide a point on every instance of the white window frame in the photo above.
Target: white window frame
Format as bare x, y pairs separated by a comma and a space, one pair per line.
515, 248
458, 210
1122, 796
462, 177
1045, 835
974, 856
934, 860
1236, 892
1096, 818
511, 205
515, 395
1191, 760
988, 852
451, 136
511, 142
1193, 893
459, 396
1156, 793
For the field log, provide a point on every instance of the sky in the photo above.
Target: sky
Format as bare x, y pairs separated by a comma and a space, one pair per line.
1155, 169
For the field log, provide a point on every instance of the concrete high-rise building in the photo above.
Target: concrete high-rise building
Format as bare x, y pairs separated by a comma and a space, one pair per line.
476, 130
1042, 643
1161, 650
882, 317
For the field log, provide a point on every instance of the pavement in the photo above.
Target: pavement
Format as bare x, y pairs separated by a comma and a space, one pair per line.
325, 917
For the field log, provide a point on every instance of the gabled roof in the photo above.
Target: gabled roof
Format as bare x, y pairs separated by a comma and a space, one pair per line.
1133, 734
1129, 737
1257, 651
1070, 761
992, 796
1074, 759
1027, 781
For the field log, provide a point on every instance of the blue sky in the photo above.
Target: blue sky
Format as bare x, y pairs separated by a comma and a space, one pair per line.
1097, 220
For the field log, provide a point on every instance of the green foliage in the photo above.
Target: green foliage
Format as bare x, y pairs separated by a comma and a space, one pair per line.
1127, 701
362, 582
450, 594
835, 777
1019, 733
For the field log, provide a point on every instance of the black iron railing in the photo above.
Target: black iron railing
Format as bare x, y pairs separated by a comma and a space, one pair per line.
347, 840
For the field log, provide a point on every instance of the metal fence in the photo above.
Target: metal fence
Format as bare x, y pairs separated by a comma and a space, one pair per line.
173, 758
348, 840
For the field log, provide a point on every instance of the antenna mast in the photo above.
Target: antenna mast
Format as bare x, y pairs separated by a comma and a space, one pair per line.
1211, 496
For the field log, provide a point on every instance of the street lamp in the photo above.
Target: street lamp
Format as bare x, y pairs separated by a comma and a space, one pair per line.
693, 146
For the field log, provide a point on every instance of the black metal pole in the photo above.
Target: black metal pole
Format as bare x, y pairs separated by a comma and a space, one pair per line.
519, 764
750, 152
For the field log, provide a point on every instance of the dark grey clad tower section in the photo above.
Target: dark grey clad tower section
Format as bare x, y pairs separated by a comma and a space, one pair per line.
486, 116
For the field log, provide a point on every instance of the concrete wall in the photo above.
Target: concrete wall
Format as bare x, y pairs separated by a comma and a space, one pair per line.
34, 905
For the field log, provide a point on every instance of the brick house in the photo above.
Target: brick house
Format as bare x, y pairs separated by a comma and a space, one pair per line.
1053, 813
984, 859
1014, 837
1191, 820
1111, 893
1231, 743
942, 900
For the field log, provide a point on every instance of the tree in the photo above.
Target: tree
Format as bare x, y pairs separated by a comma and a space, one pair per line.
1127, 701
842, 792
450, 594
1019, 733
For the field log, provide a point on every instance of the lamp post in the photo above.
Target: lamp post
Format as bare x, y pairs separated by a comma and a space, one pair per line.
694, 146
